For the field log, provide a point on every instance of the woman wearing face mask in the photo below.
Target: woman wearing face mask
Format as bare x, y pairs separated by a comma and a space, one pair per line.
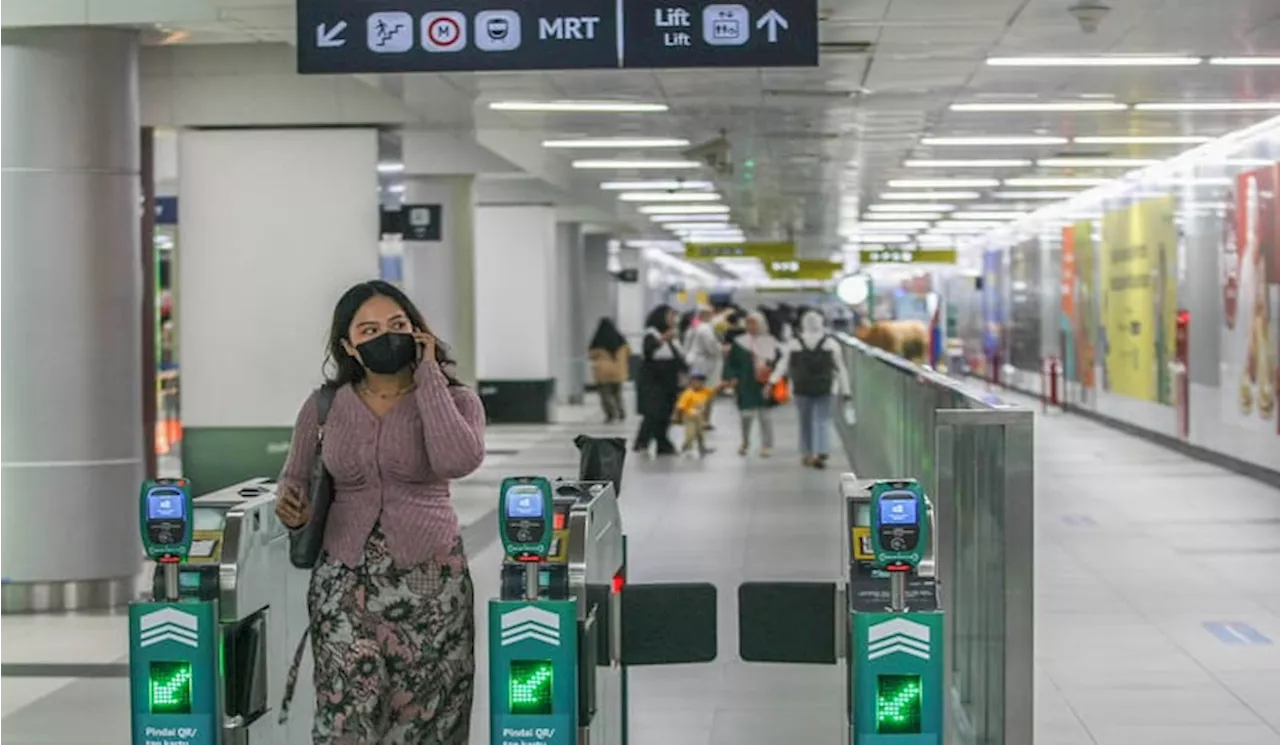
391, 598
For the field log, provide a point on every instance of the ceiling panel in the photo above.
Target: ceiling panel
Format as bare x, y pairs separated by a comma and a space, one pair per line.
809, 145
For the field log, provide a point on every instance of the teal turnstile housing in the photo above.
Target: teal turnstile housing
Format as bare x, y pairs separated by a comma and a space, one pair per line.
895, 678
174, 678
885, 623
567, 625
533, 671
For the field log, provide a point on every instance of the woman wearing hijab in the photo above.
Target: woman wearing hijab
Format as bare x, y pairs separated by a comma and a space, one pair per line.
659, 384
749, 366
815, 364
610, 358
705, 355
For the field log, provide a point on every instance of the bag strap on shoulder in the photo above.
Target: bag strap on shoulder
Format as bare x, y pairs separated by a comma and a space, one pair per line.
324, 401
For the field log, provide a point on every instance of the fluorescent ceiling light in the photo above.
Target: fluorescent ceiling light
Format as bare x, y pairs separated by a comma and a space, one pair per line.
987, 215
1141, 140
923, 183
1050, 195
978, 163
684, 209
635, 164
615, 142
1210, 106
1048, 106
964, 230
1105, 60
686, 218
873, 238
992, 141
390, 167
968, 224
657, 185
1096, 162
903, 216
911, 207
942, 183
622, 107
692, 225
1245, 61
714, 237
891, 226
1056, 182
958, 196
669, 196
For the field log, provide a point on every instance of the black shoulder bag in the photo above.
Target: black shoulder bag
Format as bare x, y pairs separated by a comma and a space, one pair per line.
305, 542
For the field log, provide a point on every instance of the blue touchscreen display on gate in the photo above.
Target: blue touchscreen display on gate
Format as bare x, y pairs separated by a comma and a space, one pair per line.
524, 501
898, 512
164, 505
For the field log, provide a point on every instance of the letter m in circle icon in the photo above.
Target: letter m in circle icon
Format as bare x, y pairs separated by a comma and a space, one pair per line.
530, 623
898, 636
168, 625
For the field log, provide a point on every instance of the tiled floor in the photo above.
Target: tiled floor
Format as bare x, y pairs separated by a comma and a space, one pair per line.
1137, 550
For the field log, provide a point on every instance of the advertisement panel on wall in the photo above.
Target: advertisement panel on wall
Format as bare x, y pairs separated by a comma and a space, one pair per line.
1139, 299
1250, 339
1024, 305
993, 304
1084, 316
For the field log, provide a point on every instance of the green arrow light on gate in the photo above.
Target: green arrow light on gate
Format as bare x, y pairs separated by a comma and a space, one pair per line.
899, 705
529, 687
169, 687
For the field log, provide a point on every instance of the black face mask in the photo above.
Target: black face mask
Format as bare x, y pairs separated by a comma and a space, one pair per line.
389, 354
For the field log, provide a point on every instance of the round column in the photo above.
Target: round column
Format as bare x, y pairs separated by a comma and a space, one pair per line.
69, 315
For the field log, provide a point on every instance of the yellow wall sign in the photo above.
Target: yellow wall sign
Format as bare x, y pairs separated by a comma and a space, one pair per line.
763, 250
1139, 251
907, 256
819, 269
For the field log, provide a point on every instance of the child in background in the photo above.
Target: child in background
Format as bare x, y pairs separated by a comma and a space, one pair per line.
690, 408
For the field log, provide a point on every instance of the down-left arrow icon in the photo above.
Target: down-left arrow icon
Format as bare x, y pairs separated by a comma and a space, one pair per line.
331, 37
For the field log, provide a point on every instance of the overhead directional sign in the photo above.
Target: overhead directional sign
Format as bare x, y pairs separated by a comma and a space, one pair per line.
764, 250
816, 269
773, 33
907, 256
389, 36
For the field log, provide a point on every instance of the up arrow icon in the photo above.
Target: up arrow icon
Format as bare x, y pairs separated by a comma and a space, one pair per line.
773, 21
332, 37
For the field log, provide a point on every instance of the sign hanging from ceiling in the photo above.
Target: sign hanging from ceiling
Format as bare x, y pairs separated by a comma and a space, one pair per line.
811, 269
907, 256
763, 250
386, 36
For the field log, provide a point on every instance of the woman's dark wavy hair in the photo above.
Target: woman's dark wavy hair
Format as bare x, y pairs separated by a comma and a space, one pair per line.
341, 368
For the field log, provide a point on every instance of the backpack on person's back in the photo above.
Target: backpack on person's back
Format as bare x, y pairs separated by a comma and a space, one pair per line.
812, 370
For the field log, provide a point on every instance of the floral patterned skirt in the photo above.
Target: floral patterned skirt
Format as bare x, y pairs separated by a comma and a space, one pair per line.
394, 650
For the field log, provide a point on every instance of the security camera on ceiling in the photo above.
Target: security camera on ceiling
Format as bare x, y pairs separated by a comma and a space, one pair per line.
1089, 14
715, 154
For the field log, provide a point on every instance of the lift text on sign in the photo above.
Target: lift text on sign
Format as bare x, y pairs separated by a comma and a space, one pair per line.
389, 36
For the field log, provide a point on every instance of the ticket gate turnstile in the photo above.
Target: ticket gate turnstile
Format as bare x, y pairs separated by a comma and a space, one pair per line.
240, 607
884, 624
567, 625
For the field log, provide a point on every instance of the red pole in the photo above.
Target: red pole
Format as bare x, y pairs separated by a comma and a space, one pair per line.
1053, 382
1044, 385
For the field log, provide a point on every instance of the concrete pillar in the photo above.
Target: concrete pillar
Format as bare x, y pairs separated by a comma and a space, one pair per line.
569, 352
439, 275
515, 310
72, 294
600, 291
276, 225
